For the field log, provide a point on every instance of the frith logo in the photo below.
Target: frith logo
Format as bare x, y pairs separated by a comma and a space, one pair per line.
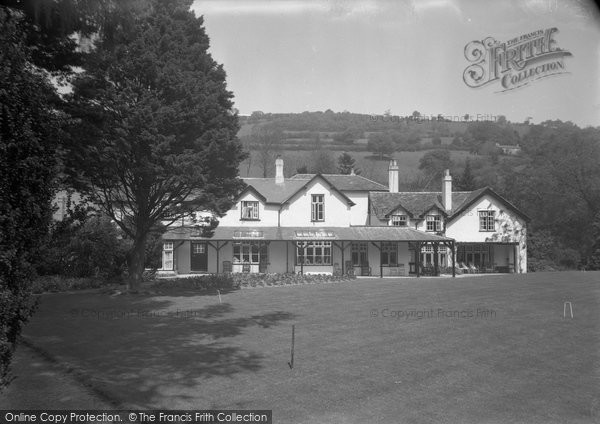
516, 62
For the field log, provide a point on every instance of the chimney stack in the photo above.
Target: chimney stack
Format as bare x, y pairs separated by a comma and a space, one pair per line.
393, 176
447, 191
279, 170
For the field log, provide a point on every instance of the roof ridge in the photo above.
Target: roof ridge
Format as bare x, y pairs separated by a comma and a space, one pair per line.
370, 180
429, 192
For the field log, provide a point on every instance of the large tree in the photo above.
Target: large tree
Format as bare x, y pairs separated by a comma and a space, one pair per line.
347, 164
434, 163
466, 181
381, 143
156, 134
29, 134
267, 142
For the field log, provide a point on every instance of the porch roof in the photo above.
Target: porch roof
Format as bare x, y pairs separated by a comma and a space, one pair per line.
358, 233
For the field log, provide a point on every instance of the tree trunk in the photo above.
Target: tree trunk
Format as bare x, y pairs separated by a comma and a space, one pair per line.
135, 262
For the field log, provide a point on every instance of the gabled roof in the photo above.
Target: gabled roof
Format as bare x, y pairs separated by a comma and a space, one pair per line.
419, 203
271, 192
345, 182
477, 194
326, 180
416, 204
251, 189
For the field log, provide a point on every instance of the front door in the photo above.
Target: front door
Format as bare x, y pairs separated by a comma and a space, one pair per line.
199, 260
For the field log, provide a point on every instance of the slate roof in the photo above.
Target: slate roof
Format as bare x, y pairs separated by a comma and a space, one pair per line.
382, 203
382, 233
346, 182
272, 192
416, 204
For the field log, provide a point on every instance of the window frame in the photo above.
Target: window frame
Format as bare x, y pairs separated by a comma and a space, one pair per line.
320, 253
402, 219
168, 255
317, 207
255, 210
358, 252
199, 248
389, 250
436, 220
487, 217
254, 252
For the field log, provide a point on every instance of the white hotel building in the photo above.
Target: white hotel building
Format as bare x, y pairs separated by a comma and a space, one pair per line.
347, 223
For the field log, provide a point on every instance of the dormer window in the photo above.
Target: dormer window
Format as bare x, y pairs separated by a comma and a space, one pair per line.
399, 220
249, 211
434, 223
318, 207
487, 221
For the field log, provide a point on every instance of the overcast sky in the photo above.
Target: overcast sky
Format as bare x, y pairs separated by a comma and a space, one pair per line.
371, 56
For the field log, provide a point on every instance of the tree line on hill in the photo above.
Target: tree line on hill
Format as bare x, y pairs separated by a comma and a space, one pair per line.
358, 132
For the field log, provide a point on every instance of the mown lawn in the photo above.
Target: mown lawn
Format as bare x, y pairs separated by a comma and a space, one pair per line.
521, 363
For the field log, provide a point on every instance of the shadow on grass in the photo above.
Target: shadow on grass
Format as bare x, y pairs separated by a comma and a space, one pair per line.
144, 349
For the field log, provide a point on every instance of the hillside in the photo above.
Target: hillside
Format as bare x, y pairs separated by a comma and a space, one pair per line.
554, 176
345, 131
303, 139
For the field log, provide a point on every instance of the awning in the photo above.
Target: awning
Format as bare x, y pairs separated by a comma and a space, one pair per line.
358, 233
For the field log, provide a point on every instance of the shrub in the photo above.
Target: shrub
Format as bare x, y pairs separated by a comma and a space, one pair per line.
535, 264
285, 279
239, 280
200, 282
85, 246
57, 283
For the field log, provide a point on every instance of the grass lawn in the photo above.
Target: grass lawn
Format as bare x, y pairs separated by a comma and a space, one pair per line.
521, 362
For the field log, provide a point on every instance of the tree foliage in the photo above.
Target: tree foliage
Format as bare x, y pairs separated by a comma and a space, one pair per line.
382, 144
347, 164
267, 141
29, 134
466, 181
84, 244
322, 162
156, 134
558, 184
434, 163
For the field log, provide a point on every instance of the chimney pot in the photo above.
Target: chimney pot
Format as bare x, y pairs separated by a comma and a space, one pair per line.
279, 170
447, 191
393, 173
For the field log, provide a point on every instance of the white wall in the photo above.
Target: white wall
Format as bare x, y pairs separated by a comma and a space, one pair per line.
466, 227
421, 224
359, 213
410, 222
297, 213
509, 228
267, 214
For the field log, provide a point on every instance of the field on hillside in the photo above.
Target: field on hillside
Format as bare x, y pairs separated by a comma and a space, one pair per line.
370, 165
474, 349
